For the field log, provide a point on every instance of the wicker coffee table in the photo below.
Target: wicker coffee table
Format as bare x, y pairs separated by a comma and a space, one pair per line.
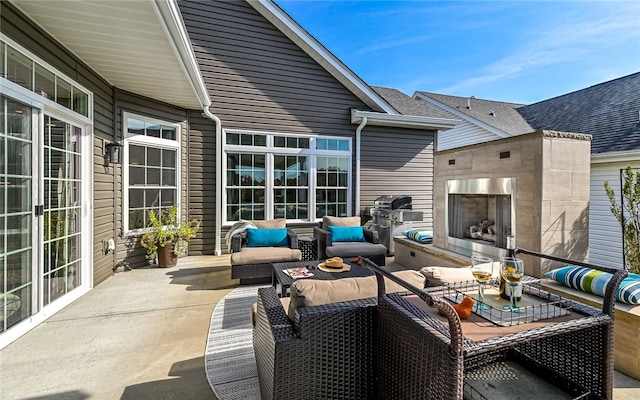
285, 281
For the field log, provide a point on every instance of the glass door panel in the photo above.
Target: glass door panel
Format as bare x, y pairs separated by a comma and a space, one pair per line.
62, 208
16, 187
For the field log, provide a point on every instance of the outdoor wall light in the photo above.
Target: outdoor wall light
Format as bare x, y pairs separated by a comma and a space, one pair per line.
114, 152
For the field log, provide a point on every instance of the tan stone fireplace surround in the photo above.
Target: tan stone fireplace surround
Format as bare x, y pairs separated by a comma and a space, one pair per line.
549, 175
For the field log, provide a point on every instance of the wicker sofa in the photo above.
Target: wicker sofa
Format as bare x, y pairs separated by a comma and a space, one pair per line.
253, 264
420, 354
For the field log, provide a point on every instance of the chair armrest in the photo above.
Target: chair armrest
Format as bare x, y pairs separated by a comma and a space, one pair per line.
371, 236
236, 243
430, 361
271, 319
293, 239
324, 240
271, 335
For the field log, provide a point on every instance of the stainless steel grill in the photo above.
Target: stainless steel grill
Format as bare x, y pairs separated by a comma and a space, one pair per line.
390, 216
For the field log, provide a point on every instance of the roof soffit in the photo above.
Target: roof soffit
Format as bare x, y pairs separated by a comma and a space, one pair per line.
402, 121
125, 42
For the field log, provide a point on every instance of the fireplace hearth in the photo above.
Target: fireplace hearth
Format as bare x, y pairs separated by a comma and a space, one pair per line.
479, 214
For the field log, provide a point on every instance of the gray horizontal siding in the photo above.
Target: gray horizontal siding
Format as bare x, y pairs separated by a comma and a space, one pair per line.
202, 182
259, 79
605, 232
398, 162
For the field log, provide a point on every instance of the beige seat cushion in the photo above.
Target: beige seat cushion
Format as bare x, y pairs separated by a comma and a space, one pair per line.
270, 223
339, 221
312, 292
438, 276
262, 255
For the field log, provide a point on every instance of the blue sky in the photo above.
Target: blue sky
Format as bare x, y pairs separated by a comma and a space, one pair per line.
514, 51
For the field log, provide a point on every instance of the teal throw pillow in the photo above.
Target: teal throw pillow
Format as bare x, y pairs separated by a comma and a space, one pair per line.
346, 233
267, 237
594, 281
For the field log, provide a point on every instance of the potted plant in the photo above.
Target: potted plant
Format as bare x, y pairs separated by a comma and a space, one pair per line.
167, 238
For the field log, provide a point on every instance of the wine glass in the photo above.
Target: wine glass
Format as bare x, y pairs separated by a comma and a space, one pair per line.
482, 270
512, 271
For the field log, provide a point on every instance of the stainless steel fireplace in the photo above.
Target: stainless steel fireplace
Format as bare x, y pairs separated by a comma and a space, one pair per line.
479, 213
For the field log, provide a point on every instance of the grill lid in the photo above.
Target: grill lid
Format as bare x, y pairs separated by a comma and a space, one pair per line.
393, 202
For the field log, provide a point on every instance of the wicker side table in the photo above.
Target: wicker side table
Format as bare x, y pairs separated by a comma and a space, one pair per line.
309, 248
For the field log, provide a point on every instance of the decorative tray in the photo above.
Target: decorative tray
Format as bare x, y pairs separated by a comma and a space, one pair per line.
535, 305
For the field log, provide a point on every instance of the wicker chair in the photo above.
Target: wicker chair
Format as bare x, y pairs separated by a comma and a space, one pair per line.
253, 265
370, 248
327, 353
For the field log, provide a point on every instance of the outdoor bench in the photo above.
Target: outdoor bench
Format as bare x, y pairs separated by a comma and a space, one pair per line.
415, 255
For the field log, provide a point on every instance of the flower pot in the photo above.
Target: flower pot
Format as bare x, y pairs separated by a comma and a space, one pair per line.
166, 257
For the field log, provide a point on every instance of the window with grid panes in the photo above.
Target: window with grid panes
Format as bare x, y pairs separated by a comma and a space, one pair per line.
151, 172
270, 175
28, 73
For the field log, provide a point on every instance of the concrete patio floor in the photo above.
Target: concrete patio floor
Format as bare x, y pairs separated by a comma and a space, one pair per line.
139, 335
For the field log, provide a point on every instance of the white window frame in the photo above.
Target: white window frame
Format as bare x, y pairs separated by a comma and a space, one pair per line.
144, 140
269, 151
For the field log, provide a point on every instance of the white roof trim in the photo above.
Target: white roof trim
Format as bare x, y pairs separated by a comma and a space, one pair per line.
462, 115
320, 54
402, 121
132, 45
171, 19
615, 156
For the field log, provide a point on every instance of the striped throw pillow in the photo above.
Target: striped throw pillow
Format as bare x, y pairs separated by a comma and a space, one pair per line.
594, 281
419, 235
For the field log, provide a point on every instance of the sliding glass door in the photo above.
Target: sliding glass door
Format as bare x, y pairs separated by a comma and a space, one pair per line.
46, 182
16, 213
40, 210
62, 208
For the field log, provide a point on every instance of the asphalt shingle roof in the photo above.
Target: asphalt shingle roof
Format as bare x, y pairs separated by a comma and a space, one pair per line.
500, 115
406, 105
609, 111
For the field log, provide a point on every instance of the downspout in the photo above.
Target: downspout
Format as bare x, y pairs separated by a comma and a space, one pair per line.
358, 138
210, 115
170, 16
